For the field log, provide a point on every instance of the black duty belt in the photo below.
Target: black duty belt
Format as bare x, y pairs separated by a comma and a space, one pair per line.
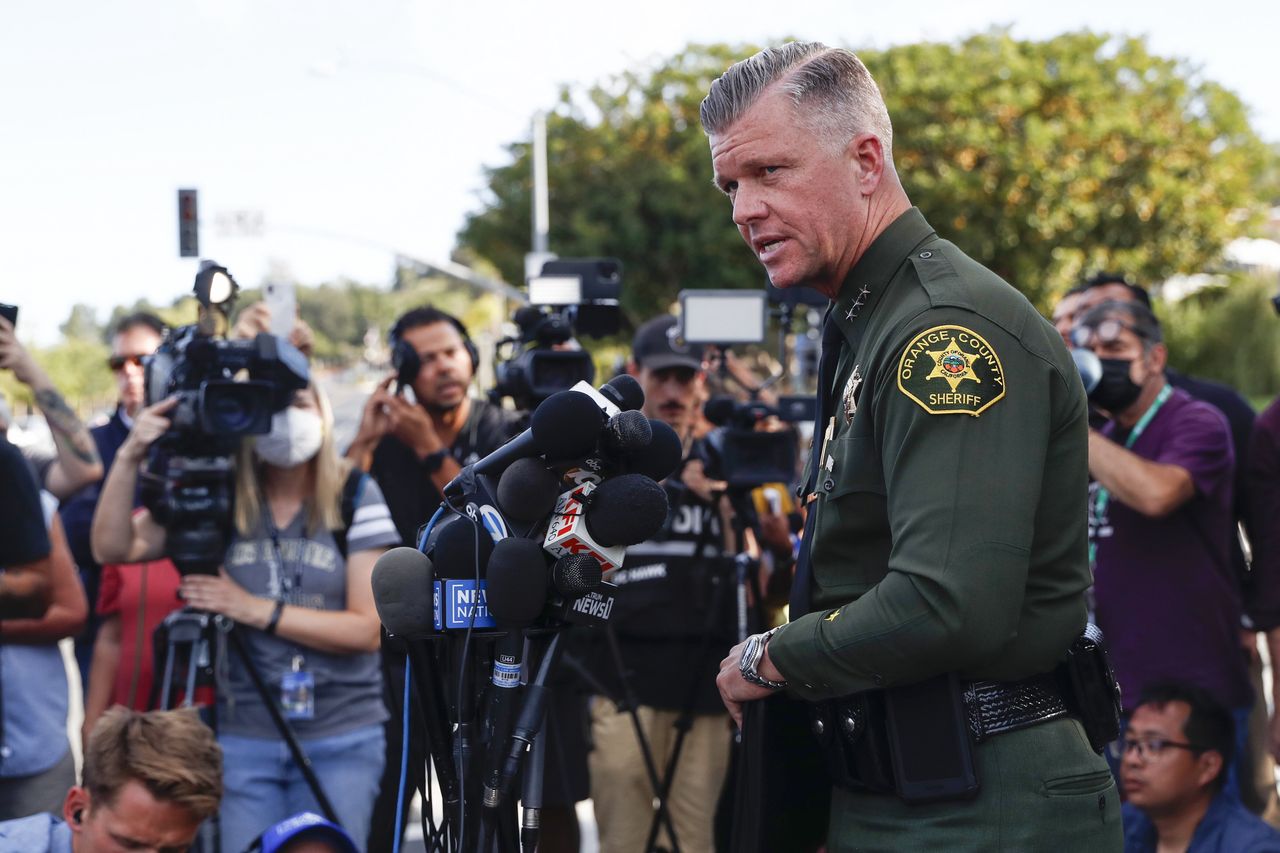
996, 707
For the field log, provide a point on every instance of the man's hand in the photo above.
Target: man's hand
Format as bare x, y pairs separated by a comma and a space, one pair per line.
252, 320
149, 424
412, 425
734, 689
695, 479
220, 594
14, 356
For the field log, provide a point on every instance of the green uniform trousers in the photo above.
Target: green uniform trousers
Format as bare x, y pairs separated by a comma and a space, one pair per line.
1042, 789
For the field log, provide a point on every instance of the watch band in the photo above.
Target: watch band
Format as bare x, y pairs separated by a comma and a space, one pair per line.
432, 462
752, 654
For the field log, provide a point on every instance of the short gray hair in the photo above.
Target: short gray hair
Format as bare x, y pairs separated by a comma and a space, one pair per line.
839, 97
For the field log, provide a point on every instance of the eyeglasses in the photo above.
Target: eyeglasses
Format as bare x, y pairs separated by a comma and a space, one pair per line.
1106, 332
1150, 747
117, 362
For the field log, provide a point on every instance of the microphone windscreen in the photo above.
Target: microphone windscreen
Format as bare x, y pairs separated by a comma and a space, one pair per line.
402, 592
516, 586
626, 510
660, 457
625, 392
566, 425
527, 490
628, 430
574, 574
454, 552
718, 410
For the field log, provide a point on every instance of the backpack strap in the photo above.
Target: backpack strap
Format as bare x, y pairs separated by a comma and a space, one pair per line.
351, 491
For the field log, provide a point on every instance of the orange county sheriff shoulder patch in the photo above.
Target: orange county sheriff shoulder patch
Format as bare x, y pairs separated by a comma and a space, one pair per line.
951, 370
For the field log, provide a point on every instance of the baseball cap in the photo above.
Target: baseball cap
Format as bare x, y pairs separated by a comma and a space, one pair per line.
305, 825
654, 346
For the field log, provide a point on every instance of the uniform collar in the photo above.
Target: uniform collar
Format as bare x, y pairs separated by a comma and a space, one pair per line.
871, 275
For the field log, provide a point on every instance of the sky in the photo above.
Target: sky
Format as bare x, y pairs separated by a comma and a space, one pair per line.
355, 131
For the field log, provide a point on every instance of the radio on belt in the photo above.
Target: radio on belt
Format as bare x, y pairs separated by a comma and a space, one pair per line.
567, 533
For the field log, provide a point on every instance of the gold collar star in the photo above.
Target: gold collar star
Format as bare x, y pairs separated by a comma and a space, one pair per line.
951, 364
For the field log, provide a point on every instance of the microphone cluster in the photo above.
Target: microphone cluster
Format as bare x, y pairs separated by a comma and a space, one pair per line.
540, 521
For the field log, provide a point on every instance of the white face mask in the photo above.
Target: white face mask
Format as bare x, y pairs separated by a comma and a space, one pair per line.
294, 438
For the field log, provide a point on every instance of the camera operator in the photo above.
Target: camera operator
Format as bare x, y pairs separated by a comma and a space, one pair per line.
305, 605
674, 615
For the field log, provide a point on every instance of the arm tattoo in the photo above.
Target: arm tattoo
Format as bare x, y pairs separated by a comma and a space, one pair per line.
68, 430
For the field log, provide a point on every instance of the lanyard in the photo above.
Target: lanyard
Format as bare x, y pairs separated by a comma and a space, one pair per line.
284, 583
1104, 496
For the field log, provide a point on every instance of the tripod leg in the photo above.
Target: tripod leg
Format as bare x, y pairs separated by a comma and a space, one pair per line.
650, 766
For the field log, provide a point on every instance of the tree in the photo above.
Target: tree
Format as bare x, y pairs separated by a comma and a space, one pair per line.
82, 324
1042, 159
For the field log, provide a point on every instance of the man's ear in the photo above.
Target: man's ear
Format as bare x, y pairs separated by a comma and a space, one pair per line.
1208, 766
1158, 358
866, 158
633, 369
75, 807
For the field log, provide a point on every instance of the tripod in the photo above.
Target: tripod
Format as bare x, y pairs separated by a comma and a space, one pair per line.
198, 636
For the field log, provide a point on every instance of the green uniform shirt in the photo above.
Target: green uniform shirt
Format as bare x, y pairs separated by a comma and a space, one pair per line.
950, 532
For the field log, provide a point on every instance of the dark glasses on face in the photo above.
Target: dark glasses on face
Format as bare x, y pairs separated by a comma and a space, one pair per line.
117, 362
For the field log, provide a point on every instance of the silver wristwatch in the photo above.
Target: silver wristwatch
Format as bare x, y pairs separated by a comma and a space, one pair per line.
752, 653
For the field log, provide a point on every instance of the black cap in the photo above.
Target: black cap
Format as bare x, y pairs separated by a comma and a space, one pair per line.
654, 346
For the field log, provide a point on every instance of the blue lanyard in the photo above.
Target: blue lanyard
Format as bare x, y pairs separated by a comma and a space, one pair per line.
1104, 496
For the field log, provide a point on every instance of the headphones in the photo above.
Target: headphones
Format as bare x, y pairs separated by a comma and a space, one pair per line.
404, 358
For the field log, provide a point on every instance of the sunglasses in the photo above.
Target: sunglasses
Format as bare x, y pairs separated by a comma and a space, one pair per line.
117, 362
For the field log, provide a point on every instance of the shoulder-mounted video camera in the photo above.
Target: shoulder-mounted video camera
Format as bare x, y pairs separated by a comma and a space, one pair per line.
571, 297
226, 390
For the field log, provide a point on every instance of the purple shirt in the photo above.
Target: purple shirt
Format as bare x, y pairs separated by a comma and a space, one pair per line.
1165, 594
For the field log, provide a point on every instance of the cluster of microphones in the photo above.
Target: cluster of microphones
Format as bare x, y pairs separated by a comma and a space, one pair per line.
533, 532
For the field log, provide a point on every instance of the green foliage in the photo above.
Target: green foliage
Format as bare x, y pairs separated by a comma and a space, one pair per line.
1043, 159
78, 368
1229, 333
82, 324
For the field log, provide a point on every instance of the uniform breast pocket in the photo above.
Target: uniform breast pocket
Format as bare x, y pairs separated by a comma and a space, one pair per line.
851, 537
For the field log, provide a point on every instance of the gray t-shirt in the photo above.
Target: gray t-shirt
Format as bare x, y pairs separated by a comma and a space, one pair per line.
348, 688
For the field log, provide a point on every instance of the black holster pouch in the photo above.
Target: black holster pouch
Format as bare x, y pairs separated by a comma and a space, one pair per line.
1090, 689
911, 741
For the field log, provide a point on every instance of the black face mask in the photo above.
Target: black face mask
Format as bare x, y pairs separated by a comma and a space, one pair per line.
1115, 391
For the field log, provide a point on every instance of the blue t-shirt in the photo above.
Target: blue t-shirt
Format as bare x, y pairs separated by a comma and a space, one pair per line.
309, 572
39, 833
1227, 827
34, 681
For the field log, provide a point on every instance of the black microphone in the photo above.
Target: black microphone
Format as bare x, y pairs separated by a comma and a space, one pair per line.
661, 456
624, 392
564, 425
517, 582
527, 490
625, 510
454, 550
516, 587
626, 431
402, 593
574, 574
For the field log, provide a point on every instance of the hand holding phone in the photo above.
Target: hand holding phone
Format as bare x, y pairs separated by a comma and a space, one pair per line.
10, 313
280, 298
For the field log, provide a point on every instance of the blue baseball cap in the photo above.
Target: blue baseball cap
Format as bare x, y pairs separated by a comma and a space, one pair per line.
307, 825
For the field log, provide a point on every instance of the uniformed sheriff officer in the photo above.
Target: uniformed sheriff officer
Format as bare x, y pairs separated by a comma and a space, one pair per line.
945, 563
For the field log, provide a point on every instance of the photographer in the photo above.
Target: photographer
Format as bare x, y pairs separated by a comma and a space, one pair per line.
674, 616
306, 611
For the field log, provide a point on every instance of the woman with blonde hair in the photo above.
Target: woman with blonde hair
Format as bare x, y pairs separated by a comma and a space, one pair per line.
303, 603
